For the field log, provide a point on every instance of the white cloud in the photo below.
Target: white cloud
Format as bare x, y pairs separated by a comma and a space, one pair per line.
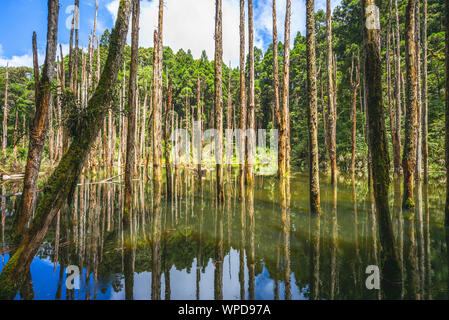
26, 60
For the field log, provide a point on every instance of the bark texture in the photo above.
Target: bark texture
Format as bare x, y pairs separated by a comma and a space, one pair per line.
312, 110
61, 184
411, 117
219, 97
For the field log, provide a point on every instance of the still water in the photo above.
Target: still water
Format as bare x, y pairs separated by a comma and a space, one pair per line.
261, 243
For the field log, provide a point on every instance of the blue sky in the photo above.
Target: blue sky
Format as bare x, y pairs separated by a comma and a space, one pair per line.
189, 24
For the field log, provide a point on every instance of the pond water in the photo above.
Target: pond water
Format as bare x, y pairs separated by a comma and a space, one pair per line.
261, 243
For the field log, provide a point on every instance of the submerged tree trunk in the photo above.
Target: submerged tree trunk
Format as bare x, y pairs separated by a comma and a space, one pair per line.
61, 184
218, 100
132, 102
379, 152
312, 111
411, 118
40, 126
243, 109
332, 125
200, 131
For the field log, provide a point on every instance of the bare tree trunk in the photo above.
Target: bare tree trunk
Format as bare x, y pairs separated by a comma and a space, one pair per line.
61, 184
277, 114
355, 85
425, 103
5, 115
251, 148
397, 131
132, 99
167, 137
39, 127
200, 131
16, 124
409, 155
332, 125
243, 107
229, 127
312, 111
379, 152
285, 119
157, 101
218, 100
418, 168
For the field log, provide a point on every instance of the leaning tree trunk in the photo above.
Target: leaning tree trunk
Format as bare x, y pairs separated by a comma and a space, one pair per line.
379, 151
411, 118
312, 111
332, 125
243, 108
218, 100
5, 115
157, 101
40, 126
62, 183
447, 116
132, 102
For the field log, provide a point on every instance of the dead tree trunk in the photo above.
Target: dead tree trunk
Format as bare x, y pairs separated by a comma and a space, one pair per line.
379, 151
200, 129
132, 102
39, 127
219, 97
312, 110
285, 119
354, 85
332, 116
157, 101
398, 110
61, 184
411, 118
425, 103
243, 108
418, 168
229, 148
167, 138
277, 115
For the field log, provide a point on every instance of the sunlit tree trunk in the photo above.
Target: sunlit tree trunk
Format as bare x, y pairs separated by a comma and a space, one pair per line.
411, 117
61, 184
379, 150
312, 110
332, 115
243, 107
251, 125
277, 115
157, 100
40, 125
285, 118
218, 100
132, 102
